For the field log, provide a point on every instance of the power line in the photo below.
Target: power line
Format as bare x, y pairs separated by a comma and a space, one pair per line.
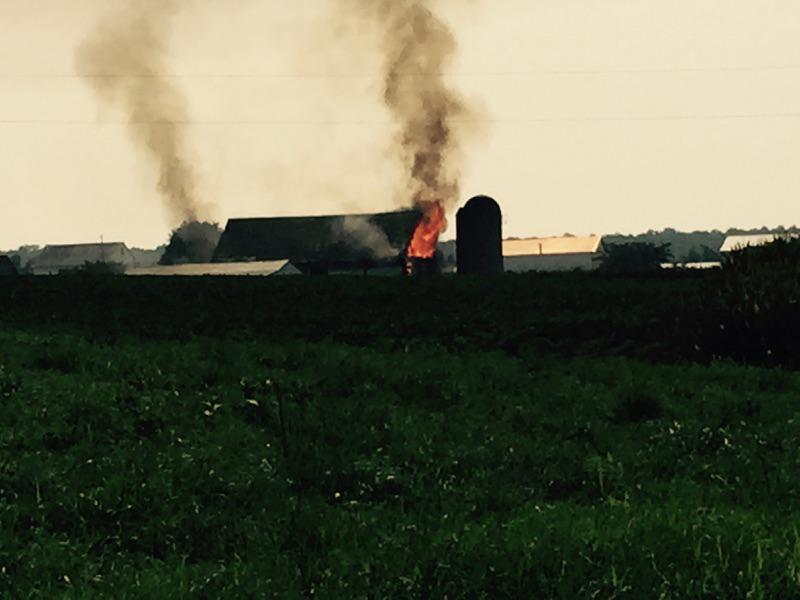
322, 123
510, 73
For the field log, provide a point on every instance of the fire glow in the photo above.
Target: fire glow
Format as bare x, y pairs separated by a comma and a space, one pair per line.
426, 237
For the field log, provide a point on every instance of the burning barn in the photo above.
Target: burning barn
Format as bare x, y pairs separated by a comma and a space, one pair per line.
55, 259
376, 243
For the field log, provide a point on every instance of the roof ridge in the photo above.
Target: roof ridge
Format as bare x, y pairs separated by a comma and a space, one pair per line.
553, 237
86, 245
329, 216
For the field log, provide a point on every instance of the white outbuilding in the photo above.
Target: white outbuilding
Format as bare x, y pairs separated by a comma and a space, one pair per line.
737, 242
243, 269
565, 253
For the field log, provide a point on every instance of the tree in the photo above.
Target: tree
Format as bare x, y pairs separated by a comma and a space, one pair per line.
636, 257
709, 254
101, 268
192, 242
694, 256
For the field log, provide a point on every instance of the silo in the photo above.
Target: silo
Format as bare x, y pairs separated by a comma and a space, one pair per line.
479, 237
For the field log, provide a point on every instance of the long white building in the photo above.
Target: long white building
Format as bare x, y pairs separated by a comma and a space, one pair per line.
552, 254
735, 242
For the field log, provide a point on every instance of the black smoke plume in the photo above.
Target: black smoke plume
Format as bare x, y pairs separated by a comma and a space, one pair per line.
432, 117
125, 61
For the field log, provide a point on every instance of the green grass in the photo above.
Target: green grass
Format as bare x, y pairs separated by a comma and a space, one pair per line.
521, 437
261, 468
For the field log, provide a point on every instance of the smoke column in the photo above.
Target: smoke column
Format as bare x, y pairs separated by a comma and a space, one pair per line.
124, 60
418, 47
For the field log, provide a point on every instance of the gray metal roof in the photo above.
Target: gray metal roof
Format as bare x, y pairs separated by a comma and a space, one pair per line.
55, 258
250, 269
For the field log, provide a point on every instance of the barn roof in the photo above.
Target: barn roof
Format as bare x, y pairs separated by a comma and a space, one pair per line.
6, 266
733, 242
552, 245
280, 267
329, 240
72, 256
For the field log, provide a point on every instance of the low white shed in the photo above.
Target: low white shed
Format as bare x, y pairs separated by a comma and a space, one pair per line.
551, 254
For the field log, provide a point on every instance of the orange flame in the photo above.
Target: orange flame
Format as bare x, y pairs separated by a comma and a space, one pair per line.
426, 236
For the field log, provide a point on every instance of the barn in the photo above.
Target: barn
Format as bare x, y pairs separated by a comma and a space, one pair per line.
371, 243
55, 259
564, 253
7, 266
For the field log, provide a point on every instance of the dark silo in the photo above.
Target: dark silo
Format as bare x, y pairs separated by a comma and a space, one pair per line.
479, 237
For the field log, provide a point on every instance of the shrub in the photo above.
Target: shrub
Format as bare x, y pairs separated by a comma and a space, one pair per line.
102, 268
634, 258
192, 242
752, 310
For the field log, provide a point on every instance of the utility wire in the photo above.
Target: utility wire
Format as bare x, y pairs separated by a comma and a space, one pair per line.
520, 73
565, 119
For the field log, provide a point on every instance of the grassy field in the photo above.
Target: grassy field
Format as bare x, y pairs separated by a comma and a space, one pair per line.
523, 437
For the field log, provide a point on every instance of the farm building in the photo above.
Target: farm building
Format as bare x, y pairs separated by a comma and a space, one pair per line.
551, 254
7, 267
332, 244
55, 259
735, 242
250, 269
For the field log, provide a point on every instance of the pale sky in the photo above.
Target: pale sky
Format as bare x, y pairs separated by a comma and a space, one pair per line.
602, 116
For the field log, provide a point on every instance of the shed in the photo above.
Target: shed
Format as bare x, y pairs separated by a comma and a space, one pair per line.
57, 258
321, 244
250, 269
551, 254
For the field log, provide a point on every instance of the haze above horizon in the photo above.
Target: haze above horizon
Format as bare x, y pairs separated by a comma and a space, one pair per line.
614, 116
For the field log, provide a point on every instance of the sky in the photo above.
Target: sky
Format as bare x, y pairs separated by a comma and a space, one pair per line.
597, 116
